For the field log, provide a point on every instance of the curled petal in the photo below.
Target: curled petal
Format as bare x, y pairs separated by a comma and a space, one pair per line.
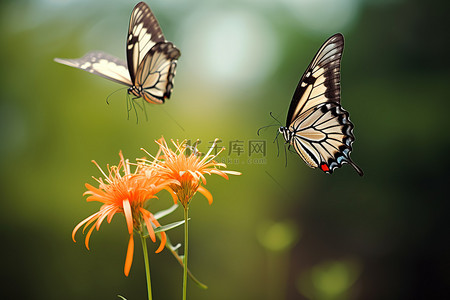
163, 242
205, 193
174, 196
105, 211
163, 234
220, 173
146, 215
224, 172
88, 219
200, 175
88, 235
93, 190
216, 164
232, 172
112, 213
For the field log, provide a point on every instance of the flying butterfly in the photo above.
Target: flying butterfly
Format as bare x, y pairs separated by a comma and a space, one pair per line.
151, 60
317, 126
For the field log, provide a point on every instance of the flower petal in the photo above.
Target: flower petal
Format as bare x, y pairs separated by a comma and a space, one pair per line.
174, 196
163, 234
163, 242
104, 213
146, 215
112, 213
205, 193
128, 215
88, 235
88, 219
129, 257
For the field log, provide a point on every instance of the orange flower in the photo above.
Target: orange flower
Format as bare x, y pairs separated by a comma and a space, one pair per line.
187, 170
125, 194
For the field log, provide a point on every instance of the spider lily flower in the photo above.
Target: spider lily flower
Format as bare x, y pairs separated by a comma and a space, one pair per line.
126, 192
187, 171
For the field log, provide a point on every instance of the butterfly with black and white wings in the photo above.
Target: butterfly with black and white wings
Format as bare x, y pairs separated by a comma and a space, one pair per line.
151, 60
317, 126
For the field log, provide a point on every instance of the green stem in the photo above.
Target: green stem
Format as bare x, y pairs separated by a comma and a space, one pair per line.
147, 267
185, 251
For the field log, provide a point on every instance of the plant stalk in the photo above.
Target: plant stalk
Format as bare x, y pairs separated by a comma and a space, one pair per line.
185, 267
147, 267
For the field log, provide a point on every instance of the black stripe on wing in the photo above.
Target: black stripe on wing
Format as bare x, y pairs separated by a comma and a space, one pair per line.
143, 33
321, 81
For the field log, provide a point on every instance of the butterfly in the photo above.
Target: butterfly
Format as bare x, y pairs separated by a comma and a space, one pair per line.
151, 60
317, 126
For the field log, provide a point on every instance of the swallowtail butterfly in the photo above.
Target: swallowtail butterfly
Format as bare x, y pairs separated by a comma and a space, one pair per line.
317, 126
151, 60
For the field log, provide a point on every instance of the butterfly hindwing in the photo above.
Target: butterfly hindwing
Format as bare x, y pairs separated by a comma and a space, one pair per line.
156, 72
324, 136
317, 126
101, 64
143, 33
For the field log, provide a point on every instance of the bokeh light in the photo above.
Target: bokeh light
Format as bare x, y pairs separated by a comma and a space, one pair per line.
228, 45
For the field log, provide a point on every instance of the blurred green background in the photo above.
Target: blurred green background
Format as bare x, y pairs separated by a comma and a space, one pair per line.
275, 232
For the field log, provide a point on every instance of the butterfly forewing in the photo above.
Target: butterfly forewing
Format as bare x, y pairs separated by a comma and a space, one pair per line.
101, 64
156, 72
317, 126
143, 33
321, 81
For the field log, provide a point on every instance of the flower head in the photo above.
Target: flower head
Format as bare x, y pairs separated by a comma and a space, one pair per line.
187, 171
124, 192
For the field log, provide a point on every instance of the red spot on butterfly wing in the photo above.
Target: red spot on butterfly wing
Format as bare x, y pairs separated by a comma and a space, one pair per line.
324, 168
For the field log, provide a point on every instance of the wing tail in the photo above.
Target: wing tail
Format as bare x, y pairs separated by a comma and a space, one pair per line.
357, 169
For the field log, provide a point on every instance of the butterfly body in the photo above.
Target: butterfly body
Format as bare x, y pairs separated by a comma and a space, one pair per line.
317, 126
151, 60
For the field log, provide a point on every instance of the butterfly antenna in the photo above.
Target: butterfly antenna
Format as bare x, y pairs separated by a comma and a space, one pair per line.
145, 110
278, 146
135, 110
107, 98
128, 107
173, 119
279, 123
265, 127
275, 118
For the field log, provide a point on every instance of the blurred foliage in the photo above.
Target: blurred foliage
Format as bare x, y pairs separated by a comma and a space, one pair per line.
391, 223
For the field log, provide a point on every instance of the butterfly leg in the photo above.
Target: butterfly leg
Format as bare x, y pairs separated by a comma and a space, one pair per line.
285, 156
133, 103
128, 106
290, 150
145, 110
